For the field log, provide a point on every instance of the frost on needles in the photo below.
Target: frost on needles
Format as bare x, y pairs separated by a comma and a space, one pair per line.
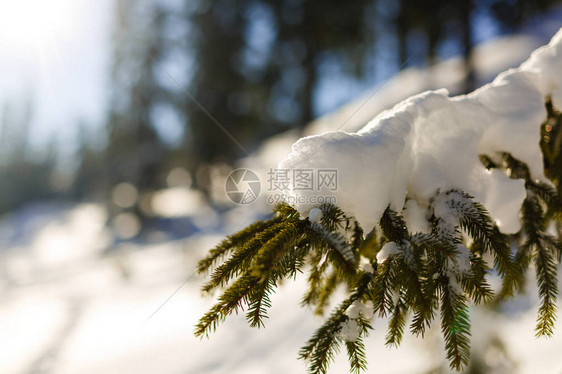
434, 196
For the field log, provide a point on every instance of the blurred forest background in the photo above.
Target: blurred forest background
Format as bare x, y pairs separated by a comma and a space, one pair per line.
195, 85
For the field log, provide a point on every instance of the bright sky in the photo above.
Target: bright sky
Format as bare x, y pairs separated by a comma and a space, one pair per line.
56, 54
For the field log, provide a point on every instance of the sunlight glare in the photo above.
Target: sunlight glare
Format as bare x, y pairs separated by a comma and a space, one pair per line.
31, 25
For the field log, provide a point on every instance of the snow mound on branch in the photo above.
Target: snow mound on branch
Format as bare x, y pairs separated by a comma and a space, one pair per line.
432, 141
389, 249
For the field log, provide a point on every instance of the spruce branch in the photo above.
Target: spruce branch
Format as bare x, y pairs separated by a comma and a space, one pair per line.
545, 265
241, 259
284, 240
391, 269
331, 281
356, 349
431, 278
231, 300
385, 281
356, 355
324, 344
318, 265
393, 226
333, 218
397, 323
233, 242
475, 284
543, 249
335, 241
455, 326
259, 300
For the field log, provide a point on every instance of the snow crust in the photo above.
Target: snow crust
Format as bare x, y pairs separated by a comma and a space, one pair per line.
432, 141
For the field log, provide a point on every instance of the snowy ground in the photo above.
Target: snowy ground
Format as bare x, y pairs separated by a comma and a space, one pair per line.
82, 311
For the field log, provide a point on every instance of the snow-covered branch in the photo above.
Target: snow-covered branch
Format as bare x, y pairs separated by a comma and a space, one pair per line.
428, 195
432, 141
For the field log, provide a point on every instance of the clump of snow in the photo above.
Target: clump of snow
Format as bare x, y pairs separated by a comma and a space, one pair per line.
547, 63
454, 284
452, 206
415, 216
389, 249
448, 208
461, 263
354, 310
366, 266
407, 253
359, 309
457, 268
432, 141
315, 215
349, 330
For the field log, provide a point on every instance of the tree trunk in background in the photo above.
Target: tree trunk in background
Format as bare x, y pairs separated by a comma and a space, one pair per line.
402, 29
467, 44
309, 65
434, 33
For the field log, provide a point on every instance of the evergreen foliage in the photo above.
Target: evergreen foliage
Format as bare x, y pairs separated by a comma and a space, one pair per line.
393, 272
